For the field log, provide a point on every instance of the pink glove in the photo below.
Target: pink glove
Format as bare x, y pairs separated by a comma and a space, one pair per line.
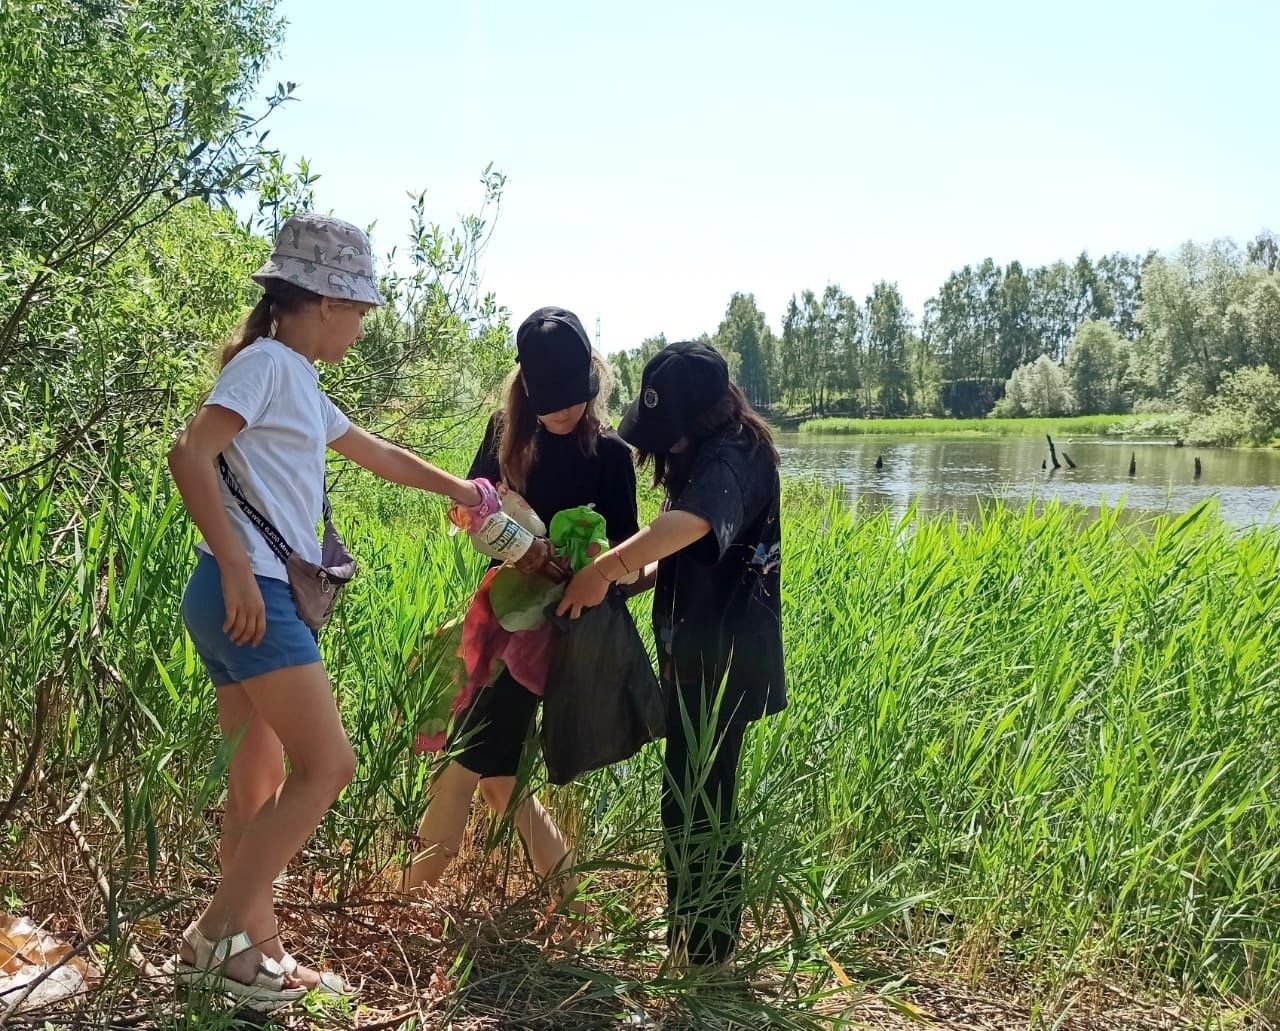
489, 503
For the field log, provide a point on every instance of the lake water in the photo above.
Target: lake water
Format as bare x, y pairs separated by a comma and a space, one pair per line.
945, 475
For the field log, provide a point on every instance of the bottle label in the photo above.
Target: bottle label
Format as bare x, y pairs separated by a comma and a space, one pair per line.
503, 538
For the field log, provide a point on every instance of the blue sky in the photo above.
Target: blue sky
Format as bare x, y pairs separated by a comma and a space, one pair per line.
661, 156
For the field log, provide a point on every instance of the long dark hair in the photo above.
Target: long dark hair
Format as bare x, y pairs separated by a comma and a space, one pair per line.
517, 439
732, 413
279, 297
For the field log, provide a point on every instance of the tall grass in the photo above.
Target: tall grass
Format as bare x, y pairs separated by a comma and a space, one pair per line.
1082, 425
1024, 746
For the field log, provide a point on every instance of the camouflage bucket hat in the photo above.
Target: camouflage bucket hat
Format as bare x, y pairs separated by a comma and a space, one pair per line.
326, 256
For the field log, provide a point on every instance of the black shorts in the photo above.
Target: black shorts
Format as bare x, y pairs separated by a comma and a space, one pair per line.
489, 737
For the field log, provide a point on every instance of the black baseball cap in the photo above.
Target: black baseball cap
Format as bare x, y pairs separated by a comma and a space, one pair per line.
680, 382
555, 357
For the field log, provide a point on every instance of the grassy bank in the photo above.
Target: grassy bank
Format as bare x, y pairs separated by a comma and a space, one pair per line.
1082, 425
1022, 751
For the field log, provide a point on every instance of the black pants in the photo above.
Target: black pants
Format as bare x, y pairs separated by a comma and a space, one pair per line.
702, 847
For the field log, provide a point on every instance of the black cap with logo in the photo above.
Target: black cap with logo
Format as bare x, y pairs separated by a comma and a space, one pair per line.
555, 357
680, 382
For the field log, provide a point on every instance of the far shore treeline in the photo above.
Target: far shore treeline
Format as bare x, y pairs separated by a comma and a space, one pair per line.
1192, 336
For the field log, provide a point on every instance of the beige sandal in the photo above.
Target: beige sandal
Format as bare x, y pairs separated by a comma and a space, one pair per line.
330, 983
265, 993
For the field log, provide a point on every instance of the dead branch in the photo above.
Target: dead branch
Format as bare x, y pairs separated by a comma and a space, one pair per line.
136, 958
34, 747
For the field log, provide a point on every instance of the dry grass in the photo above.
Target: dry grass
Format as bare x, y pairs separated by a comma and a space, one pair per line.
484, 951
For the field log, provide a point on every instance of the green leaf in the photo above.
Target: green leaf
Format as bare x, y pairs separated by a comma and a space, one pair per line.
520, 601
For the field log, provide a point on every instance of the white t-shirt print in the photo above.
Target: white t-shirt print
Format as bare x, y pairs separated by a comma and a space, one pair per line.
279, 456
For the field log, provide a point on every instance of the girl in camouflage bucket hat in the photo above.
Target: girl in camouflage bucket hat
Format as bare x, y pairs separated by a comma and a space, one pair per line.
269, 420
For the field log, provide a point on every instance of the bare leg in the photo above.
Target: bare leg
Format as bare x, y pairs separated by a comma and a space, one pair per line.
443, 825
256, 774
551, 856
297, 704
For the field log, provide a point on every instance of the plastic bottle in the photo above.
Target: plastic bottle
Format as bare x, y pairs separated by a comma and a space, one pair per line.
522, 512
501, 537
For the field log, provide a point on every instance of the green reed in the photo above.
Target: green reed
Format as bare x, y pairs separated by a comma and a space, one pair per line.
1026, 744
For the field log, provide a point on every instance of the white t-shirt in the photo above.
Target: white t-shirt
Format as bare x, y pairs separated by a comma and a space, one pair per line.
278, 458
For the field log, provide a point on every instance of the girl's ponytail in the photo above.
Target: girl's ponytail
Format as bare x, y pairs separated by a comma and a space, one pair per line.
258, 324
279, 297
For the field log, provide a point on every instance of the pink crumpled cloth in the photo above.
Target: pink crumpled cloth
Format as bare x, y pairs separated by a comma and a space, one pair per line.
487, 647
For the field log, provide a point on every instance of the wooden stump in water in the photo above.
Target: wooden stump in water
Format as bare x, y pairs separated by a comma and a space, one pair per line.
1067, 458
1197, 467
1133, 463
879, 461
1053, 452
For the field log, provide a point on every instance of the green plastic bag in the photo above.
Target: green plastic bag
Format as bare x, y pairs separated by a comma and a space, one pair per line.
579, 534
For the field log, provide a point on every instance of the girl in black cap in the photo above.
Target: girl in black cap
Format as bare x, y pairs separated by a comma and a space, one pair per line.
716, 555
552, 444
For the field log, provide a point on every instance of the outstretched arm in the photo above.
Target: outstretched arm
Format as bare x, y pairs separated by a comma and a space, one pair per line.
670, 532
398, 465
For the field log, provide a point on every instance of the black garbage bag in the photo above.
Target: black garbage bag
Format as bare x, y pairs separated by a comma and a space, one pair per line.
602, 702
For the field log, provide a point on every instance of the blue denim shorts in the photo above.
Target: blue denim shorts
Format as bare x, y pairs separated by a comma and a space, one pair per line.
287, 642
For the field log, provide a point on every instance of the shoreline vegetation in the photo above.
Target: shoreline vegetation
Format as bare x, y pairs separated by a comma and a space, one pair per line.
1025, 746
1079, 425
1170, 427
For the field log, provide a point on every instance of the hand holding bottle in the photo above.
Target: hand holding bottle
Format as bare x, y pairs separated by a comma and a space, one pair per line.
541, 560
